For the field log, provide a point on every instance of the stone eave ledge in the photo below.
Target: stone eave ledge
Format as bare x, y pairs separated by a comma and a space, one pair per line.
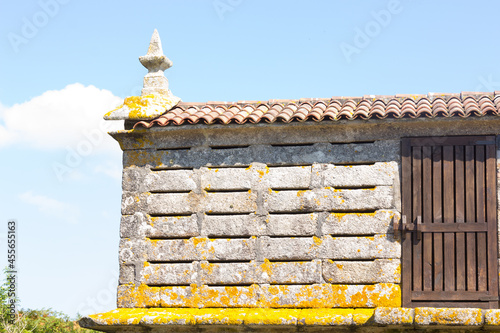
378, 319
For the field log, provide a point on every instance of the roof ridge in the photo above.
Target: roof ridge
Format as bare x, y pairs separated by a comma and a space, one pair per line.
432, 105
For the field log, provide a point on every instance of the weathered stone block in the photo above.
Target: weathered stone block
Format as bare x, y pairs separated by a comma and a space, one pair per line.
228, 273
305, 272
178, 297
169, 274
381, 173
394, 316
199, 248
133, 226
447, 316
127, 274
362, 316
235, 202
160, 317
383, 151
304, 248
210, 297
379, 222
133, 202
232, 225
328, 199
297, 177
172, 226
492, 317
379, 270
271, 317
221, 316
169, 181
326, 317
328, 295
177, 249
132, 250
228, 297
172, 203
294, 296
133, 178
292, 224
231, 249
142, 296
364, 296
376, 247
227, 178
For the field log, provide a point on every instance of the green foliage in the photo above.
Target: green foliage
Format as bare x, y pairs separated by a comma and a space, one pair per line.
46, 320
34, 321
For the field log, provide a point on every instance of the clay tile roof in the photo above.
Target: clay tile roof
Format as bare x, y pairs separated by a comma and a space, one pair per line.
465, 104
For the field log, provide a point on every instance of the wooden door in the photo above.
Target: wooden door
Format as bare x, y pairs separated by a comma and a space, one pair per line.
449, 256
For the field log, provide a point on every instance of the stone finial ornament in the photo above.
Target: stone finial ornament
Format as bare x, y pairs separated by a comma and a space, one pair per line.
156, 98
156, 62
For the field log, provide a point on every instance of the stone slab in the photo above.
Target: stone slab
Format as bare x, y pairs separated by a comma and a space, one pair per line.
362, 272
394, 316
328, 199
448, 317
328, 296
169, 274
295, 272
295, 177
380, 173
292, 248
172, 226
141, 296
362, 247
228, 273
227, 178
379, 151
230, 202
132, 250
291, 224
379, 222
171, 203
210, 297
200, 248
232, 225
169, 181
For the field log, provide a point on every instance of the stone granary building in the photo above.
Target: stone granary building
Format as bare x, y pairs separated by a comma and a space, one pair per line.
373, 213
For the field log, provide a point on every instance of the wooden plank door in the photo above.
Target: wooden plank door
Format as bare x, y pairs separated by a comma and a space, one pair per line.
449, 222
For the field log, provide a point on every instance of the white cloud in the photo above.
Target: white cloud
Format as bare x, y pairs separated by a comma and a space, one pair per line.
52, 207
65, 118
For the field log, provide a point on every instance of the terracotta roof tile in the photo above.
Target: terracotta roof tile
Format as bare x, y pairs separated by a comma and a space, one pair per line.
465, 104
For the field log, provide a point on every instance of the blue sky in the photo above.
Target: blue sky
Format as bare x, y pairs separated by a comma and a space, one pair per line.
66, 62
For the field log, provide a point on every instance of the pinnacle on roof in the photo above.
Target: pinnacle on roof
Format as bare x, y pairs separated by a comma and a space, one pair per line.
156, 98
156, 62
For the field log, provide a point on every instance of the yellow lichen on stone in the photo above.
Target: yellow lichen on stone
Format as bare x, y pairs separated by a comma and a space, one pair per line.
317, 241
143, 107
492, 317
394, 316
142, 296
220, 316
326, 317
119, 317
448, 316
271, 316
362, 316
174, 316
142, 142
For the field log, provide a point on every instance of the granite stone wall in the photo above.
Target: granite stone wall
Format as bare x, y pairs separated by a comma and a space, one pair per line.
299, 225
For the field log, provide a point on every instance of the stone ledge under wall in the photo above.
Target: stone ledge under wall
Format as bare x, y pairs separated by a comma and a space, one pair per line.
382, 319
